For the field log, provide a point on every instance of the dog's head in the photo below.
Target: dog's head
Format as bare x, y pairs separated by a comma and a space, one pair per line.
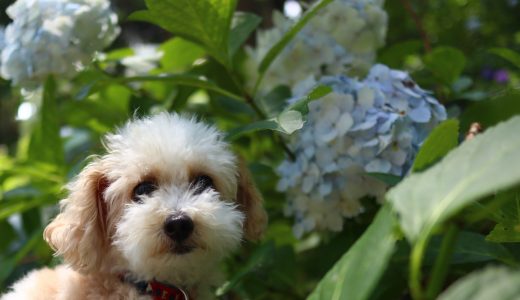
167, 200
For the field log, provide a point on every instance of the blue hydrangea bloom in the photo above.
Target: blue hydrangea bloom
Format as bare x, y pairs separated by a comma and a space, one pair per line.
374, 125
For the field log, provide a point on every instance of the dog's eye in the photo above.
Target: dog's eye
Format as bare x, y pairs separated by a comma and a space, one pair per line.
143, 188
201, 183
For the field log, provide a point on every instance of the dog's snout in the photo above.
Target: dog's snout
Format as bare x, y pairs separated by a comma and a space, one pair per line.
178, 227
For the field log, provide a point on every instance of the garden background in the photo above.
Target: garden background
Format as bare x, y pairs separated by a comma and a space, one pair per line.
452, 206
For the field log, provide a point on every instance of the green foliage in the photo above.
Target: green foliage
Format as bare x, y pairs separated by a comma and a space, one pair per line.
355, 275
458, 209
206, 22
445, 63
425, 200
441, 140
491, 283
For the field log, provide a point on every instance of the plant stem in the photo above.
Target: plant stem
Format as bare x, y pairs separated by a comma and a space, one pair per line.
440, 269
418, 24
415, 267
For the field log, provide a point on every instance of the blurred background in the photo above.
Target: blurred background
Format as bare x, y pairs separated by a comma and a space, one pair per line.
30, 188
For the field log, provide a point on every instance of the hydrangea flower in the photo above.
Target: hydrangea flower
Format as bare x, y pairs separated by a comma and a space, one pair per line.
54, 37
342, 38
374, 125
146, 57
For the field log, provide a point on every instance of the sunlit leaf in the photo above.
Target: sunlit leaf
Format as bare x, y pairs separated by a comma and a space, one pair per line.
490, 283
479, 167
205, 22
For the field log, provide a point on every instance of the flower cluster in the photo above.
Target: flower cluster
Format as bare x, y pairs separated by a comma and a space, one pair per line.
146, 57
374, 125
342, 38
54, 37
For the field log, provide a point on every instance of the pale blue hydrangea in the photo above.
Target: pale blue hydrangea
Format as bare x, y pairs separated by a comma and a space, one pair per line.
2, 38
342, 38
54, 37
374, 125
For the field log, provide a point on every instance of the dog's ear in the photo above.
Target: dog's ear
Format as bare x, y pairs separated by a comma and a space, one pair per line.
79, 232
251, 202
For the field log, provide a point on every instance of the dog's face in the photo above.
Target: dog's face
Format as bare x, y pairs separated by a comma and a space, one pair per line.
166, 201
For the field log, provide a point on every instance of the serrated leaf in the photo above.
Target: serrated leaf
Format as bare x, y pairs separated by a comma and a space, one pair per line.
242, 25
445, 63
205, 22
355, 275
490, 283
508, 54
441, 140
271, 55
478, 168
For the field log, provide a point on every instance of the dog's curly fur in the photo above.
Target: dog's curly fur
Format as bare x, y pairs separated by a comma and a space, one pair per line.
104, 230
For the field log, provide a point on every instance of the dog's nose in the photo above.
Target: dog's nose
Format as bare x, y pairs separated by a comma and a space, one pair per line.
178, 227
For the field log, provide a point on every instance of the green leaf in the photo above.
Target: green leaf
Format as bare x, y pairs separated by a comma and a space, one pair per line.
478, 168
355, 275
472, 247
492, 111
290, 121
205, 22
9, 265
257, 258
302, 105
395, 55
275, 101
490, 283
183, 79
179, 54
508, 54
242, 26
508, 228
441, 140
505, 233
445, 63
271, 55
389, 179
46, 144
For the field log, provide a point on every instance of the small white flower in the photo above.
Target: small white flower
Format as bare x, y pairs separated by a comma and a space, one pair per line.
54, 37
374, 125
146, 58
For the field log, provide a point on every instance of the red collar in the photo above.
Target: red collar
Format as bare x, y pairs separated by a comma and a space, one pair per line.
157, 290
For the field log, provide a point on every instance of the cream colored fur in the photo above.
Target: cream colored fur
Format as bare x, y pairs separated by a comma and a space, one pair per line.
101, 232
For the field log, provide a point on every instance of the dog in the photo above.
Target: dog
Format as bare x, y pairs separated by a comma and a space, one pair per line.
150, 219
